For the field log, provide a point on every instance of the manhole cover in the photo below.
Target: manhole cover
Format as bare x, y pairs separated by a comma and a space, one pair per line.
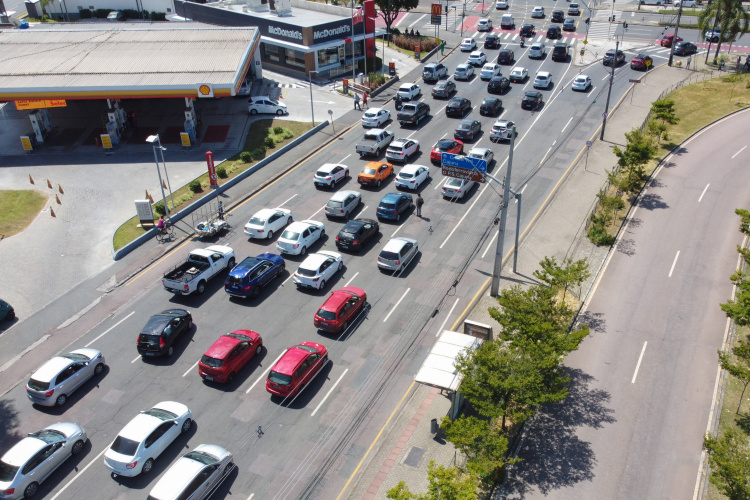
414, 456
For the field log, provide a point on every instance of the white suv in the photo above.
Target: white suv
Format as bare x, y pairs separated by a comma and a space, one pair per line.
501, 130
537, 50
330, 174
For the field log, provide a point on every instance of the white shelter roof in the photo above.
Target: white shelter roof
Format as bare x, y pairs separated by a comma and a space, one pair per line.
439, 369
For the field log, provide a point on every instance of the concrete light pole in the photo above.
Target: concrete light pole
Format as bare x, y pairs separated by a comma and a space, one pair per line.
497, 268
674, 40
609, 92
312, 109
154, 140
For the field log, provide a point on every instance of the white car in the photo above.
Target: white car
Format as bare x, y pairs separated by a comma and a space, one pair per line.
463, 72
195, 475
468, 44
501, 4
456, 188
318, 268
268, 221
489, 70
264, 105
501, 130
54, 382
412, 176
538, 12
477, 58
409, 91
343, 203
330, 174
35, 457
484, 25
543, 80
485, 154
402, 149
537, 51
375, 117
145, 437
518, 74
581, 82
299, 236
684, 3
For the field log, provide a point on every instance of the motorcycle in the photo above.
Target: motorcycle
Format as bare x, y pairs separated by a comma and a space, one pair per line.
399, 103
522, 41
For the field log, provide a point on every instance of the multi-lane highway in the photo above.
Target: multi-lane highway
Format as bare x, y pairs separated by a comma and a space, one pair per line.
308, 447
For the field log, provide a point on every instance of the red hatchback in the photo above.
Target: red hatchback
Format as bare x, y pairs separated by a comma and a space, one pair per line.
229, 354
668, 40
340, 309
453, 146
296, 368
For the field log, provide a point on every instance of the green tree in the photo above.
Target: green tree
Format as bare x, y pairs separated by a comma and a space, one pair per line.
657, 129
568, 273
664, 110
744, 220
727, 16
637, 153
739, 366
610, 204
390, 9
445, 483
730, 464
739, 308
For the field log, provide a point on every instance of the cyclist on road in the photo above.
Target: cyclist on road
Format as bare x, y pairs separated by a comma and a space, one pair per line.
160, 224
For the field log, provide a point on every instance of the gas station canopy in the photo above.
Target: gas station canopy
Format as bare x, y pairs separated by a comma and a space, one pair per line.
141, 61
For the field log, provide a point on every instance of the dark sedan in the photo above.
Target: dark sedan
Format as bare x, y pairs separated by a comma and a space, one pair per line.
458, 106
506, 56
685, 49
609, 58
527, 30
532, 100
248, 278
498, 85
641, 61
554, 32
444, 89
160, 332
490, 106
467, 130
356, 233
492, 42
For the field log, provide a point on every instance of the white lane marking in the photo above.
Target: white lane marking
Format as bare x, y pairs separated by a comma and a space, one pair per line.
704, 192
592, 91
395, 306
606, 76
446, 318
316, 213
464, 216
79, 474
365, 208
640, 358
400, 21
251, 496
344, 158
287, 201
417, 21
190, 369
545, 156
397, 230
355, 275
566, 125
136, 359
290, 277
489, 245
265, 372
114, 326
738, 152
674, 263
409, 136
445, 179
328, 394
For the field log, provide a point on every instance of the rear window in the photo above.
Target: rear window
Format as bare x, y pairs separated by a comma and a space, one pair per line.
290, 235
125, 446
236, 280
257, 221
212, 362
37, 385
7, 472
405, 175
446, 144
309, 273
149, 340
388, 255
453, 183
387, 206
326, 314
279, 378
369, 171
321, 173
334, 204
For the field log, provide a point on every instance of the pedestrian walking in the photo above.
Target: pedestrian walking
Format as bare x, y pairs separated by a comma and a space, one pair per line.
687, 63
364, 100
420, 202
221, 210
356, 102
739, 61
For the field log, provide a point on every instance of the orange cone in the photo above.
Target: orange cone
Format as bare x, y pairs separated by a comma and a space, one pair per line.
49, 184
150, 199
57, 199
164, 184
31, 179
59, 188
52, 212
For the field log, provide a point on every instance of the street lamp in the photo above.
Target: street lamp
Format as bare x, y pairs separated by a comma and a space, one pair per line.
312, 110
156, 143
373, 47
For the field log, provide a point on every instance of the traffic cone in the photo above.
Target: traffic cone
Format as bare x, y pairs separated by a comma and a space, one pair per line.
147, 196
31, 179
150, 199
164, 184
59, 188
57, 199
52, 212
49, 184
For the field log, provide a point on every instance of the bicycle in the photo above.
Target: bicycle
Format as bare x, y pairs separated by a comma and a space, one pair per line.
166, 233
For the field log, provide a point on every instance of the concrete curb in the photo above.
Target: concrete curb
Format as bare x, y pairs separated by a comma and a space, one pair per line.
122, 252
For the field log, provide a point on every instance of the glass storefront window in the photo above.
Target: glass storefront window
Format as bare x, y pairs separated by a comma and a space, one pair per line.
272, 52
358, 52
295, 58
328, 56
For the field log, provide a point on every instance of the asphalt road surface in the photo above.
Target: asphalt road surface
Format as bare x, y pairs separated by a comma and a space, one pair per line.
644, 381
309, 447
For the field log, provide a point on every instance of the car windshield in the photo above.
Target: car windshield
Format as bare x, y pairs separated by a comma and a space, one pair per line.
75, 356
48, 435
279, 378
125, 446
290, 235
7, 472
257, 221
37, 385
444, 144
212, 362
160, 414
202, 457
306, 272
371, 171
239, 336
322, 313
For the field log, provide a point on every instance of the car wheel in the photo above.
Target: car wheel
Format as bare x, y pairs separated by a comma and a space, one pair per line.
253, 111
346, 325
186, 425
170, 351
231, 263
30, 490
147, 466
269, 235
341, 266
377, 184
279, 112
322, 284
259, 349
346, 172
303, 251
282, 267
230, 378
190, 323
77, 447
256, 291
201, 287
398, 217
61, 400
99, 369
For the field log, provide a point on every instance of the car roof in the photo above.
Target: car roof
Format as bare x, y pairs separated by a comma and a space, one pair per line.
51, 369
397, 243
299, 226
463, 65
518, 69
176, 479
544, 74
341, 195
393, 196
480, 151
140, 427
373, 110
467, 121
327, 167
265, 213
502, 122
533, 93
23, 450
222, 346
476, 53
290, 360
156, 323
313, 261
411, 168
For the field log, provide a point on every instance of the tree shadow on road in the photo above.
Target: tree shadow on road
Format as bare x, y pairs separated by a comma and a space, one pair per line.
651, 201
553, 455
596, 321
8, 426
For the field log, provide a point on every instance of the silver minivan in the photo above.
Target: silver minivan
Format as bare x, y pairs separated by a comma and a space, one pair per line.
59, 377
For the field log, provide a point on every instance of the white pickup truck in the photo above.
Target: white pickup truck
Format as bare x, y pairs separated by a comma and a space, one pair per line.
201, 265
374, 141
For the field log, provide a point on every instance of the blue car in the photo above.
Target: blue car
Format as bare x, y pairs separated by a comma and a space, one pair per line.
248, 278
393, 205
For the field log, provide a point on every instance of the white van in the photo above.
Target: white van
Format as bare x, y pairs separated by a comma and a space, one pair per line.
507, 22
653, 2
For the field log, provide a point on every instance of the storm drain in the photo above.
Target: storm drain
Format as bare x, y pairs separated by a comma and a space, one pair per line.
414, 456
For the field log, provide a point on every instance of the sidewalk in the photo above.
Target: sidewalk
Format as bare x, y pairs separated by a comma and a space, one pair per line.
405, 451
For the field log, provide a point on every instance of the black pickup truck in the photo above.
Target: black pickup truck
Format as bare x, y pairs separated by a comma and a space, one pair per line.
412, 113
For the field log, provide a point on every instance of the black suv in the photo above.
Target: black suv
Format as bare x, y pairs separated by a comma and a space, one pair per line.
609, 57
532, 100
554, 32
558, 16
527, 30
560, 52
158, 336
492, 42
506, 56
412, 113
498, 85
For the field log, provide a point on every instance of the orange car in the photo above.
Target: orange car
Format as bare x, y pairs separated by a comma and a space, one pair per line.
375, 173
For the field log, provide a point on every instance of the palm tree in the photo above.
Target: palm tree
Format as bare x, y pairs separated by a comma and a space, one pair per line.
728, 17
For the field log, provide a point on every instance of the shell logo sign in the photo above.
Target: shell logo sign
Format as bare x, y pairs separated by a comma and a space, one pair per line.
205, 90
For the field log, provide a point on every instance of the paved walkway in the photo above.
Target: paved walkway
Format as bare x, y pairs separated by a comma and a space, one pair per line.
407, 446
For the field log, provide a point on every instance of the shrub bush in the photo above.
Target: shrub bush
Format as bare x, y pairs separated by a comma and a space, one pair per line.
132, 13
270, 142
246, 157
195, 186
158, 16
259, 153
221, 172
101, 13
159, 209
409, 42
85, 14
278, 130
286, 133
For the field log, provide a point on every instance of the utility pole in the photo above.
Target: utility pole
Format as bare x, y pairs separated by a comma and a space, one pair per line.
674, 40
609, 92
463, 14
495, 286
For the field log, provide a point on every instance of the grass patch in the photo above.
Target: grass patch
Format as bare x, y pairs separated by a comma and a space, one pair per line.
256, 148
18, 209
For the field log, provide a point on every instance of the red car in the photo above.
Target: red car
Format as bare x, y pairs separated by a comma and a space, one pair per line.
446, 146
229, 354
296, 368
340, 309
641, 61
668, 40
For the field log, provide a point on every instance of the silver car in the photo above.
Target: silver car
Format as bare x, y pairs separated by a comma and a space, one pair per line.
58, 378
343, 203
456, 188
196, 475
397, 254
25, 466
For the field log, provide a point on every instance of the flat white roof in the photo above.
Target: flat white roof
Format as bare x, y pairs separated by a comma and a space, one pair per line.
298, 16
439, 368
